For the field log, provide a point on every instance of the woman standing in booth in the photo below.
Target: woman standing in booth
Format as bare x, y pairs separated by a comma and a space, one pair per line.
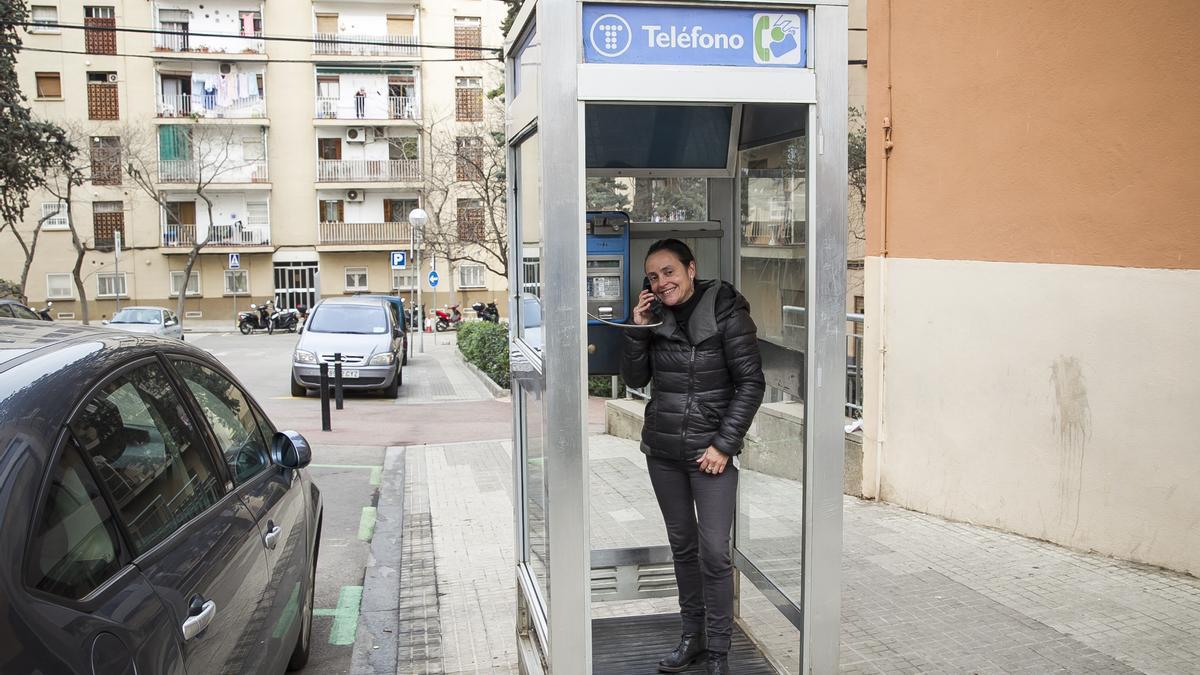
696, 341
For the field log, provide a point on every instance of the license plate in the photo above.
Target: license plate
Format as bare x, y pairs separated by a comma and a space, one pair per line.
350, 374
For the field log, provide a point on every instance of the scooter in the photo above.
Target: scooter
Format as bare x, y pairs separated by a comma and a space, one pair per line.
45, 311
258, 318
446, 320
487, 312
284, 319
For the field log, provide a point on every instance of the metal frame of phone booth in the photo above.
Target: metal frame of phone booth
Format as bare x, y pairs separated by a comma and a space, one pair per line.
551, 85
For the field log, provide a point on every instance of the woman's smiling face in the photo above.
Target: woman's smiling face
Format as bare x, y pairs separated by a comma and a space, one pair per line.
669, 279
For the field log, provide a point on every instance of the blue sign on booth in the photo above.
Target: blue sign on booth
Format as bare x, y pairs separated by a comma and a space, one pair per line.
433, 279
399, 260
694, 36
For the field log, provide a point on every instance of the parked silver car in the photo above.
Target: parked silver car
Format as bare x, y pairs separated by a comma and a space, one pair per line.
151, 320
368, 334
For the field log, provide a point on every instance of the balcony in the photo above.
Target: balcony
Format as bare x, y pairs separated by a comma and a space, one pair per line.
181, 41
340, 44
368, 170
184, 171
364, 233
373, 108
184, 236
207, 107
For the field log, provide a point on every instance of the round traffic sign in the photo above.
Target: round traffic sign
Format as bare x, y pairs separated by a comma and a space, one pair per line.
433, 279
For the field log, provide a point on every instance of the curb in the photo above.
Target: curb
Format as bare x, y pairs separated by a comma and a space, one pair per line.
379, 614
494, 389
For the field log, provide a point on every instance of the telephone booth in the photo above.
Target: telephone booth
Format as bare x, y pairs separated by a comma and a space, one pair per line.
722, 124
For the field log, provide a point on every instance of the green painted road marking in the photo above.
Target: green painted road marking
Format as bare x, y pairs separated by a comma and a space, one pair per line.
373, 467
345, 617
288, 616
376, 475
324, 612
366, 523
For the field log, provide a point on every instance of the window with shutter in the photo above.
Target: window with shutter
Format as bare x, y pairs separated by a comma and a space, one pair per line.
470, 219
49, 85
467, 34
99, 35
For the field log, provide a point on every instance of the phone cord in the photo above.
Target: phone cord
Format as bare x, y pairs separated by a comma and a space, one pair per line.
624, 325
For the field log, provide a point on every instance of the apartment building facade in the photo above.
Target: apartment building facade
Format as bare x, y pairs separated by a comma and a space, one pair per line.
298, 140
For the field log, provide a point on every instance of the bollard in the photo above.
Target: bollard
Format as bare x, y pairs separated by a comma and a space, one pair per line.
325, 425
337, 378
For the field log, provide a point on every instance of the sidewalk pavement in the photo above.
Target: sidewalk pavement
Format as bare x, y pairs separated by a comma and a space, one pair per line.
920, 594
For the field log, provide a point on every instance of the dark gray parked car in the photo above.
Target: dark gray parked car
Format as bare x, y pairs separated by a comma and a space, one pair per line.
153, 520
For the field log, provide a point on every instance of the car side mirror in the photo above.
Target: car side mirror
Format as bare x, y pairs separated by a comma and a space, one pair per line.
290, 450
104, 322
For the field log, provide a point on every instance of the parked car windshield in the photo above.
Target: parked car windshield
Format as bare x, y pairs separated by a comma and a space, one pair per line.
137, 316
353, 319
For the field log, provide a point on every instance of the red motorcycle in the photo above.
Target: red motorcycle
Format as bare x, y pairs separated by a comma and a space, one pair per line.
447, 320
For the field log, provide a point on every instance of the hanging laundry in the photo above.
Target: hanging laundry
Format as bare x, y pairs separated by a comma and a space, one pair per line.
223, 94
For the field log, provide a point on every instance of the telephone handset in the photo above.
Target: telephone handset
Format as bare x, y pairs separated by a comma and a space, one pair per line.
656, 307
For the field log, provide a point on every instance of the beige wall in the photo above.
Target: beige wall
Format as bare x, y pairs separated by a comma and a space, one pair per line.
1031, 273
1049, 400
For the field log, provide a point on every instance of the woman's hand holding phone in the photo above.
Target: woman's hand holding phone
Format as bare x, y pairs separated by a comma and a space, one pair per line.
643, 312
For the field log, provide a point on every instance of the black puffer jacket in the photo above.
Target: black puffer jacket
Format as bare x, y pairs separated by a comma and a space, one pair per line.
708, 381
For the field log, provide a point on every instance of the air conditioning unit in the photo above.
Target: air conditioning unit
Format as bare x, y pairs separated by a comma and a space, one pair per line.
354, 195
356, 134
112, 78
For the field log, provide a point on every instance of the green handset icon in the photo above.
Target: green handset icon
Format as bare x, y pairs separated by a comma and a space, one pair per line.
761, 43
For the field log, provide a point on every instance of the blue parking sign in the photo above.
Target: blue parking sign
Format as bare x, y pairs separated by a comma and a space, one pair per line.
399, 260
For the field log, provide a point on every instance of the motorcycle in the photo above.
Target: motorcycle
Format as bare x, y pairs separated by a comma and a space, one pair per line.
45, 311
284, 319
446, 320
487, 312
258, 318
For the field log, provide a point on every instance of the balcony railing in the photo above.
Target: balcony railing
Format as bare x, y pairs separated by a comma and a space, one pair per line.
258, 234
365, 233
759, 233
189, 171
396, 108
364, 45
202, 105
212, 42
355, 170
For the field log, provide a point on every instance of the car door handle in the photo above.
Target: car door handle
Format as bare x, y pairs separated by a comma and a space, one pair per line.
195, 625
272, 535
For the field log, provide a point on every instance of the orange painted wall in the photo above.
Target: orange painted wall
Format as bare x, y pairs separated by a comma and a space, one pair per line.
1036, 131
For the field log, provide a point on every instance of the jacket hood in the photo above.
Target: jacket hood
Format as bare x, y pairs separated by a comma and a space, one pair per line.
719, 300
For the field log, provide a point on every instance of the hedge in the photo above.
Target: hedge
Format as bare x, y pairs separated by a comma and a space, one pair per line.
485, 344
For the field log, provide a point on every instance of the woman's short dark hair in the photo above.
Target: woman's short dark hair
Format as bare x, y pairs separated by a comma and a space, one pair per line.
680, 249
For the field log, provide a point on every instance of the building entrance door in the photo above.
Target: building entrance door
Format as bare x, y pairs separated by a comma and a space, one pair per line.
295, 284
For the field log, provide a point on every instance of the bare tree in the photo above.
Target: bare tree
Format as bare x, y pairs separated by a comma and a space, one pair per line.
61, 184
465, 190
190, 154
856, 169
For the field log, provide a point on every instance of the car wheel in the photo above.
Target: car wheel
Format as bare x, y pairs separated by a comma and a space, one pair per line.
245, 327
393, 389
298, 389
300, 654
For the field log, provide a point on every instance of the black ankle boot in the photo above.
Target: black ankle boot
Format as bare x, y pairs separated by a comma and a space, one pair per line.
718, 664
691, 646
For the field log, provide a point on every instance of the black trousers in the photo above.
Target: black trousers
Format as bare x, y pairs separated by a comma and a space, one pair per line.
698, 509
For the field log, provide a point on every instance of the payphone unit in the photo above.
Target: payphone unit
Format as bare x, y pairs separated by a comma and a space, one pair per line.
607, 288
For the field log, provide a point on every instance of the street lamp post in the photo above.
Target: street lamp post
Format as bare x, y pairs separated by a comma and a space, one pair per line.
417, 218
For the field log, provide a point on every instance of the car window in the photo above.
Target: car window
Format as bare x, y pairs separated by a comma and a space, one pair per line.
24, 312
5, 311
74, 548
395, 311
231, 417
352, 319
149, 454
